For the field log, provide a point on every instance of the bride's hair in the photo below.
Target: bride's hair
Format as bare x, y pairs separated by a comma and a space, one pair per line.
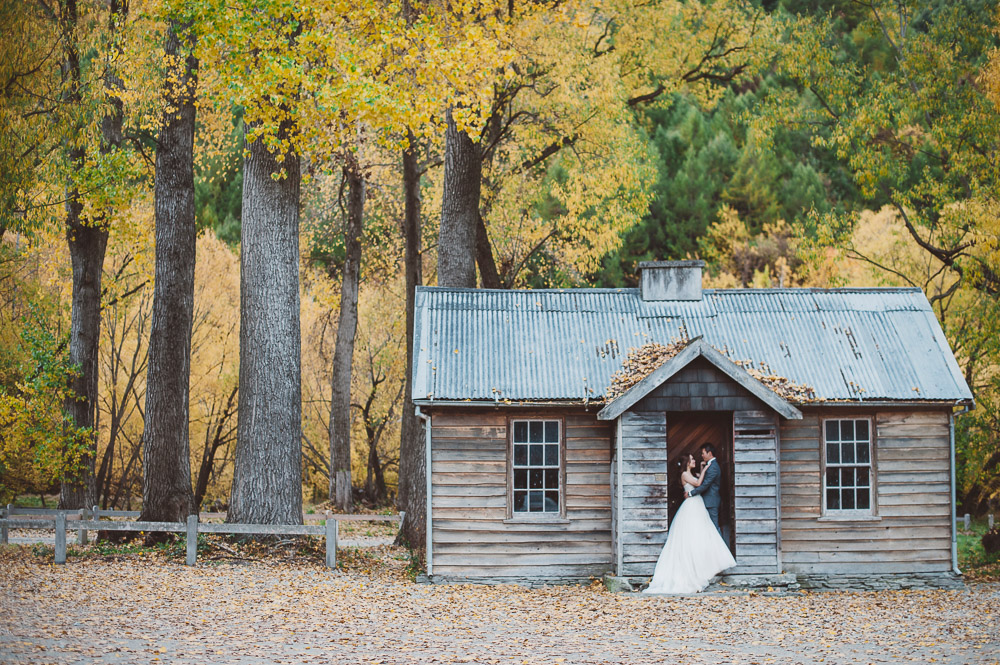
682, 462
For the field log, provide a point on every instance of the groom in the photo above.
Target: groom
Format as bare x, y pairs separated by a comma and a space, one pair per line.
709, 488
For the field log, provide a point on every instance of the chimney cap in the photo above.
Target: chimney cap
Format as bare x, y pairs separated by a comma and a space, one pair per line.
694, 263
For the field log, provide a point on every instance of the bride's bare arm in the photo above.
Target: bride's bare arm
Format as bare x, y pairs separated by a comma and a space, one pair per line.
688, 477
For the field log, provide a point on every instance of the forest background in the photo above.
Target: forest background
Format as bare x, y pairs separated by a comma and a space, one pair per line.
382, 145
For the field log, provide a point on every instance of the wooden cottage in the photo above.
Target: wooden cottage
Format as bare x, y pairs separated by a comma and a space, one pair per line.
534, 476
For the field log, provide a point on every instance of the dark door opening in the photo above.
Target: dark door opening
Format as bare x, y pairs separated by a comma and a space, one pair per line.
686, 432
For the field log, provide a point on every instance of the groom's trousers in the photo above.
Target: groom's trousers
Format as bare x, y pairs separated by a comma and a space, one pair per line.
713, 512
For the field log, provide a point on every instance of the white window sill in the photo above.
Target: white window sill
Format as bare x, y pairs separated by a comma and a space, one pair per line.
538, 519
850, 518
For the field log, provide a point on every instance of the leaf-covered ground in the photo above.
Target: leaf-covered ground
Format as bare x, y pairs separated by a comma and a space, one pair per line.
143, 606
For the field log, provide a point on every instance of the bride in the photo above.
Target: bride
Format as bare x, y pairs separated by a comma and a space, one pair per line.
694, 551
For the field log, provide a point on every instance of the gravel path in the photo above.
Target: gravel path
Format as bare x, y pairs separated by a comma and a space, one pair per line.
137, 610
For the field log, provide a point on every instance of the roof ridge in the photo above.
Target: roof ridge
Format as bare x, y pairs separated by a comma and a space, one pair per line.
633, 289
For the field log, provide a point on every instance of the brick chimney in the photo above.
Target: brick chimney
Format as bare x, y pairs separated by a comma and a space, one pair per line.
670, 280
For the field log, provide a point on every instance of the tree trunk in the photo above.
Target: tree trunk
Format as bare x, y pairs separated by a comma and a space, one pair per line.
88, 241
267, 478
459, 209
412, 490
87, 245
343, 355
484, 257
166, 478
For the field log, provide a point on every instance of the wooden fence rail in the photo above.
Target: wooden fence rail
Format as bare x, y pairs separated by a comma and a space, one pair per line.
966, 521
83, 522
97, 513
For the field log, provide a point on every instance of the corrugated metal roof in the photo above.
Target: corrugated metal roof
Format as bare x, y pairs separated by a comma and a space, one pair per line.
553, 345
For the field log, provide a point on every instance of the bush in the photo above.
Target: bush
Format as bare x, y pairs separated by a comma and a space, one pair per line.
991, 541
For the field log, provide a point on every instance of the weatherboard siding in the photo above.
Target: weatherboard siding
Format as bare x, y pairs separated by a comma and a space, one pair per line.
755, 492
643, 509
472, 536
912, 532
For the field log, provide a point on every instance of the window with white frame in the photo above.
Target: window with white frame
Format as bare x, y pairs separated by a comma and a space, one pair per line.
847, 482
536, 466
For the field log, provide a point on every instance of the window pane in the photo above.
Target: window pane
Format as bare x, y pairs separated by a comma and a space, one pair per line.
552, 432
833, 478
520, 502
863, 477
846, 430
537, 455
832, 430
833, 453
520, 479
551, 479
536, 431
552, 502
847, 478
847, 453
833, 499
847, 500
863, 452
552, 454
521, 431
536, 501
861, 430
864, 499
536, 479
520, 454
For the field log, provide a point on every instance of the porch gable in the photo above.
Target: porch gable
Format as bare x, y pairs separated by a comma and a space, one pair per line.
693, 381
698, 348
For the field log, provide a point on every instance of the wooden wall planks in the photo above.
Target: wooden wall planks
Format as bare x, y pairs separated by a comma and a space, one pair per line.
911, 531
473, 538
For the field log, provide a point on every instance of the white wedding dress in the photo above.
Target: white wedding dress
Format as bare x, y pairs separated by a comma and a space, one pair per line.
694, 552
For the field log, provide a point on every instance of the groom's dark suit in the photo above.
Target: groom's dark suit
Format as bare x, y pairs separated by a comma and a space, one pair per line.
709, 491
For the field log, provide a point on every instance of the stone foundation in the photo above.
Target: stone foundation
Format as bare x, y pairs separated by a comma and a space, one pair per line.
791, 583
887, 582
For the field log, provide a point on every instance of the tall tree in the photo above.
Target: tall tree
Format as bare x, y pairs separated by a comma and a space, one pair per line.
343, 355
87, 236
166, 487
267, 480
563, 168
459, 208
412, 495
907, 120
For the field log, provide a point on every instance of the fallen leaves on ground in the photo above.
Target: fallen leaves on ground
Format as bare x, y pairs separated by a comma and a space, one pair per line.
156, 610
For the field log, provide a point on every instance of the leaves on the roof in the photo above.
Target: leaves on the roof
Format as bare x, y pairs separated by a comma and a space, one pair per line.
642, 361
784, 388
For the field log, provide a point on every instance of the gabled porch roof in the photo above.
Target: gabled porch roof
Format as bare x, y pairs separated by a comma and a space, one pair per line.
699, 348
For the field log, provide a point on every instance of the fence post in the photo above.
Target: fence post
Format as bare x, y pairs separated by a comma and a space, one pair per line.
60, 537
331, 541
3, 531
81, 533
192, 539
989, 521
967, 521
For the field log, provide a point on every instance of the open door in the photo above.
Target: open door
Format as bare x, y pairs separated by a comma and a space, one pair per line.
686, 432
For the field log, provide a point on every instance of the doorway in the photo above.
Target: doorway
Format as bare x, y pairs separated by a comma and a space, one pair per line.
686, 431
